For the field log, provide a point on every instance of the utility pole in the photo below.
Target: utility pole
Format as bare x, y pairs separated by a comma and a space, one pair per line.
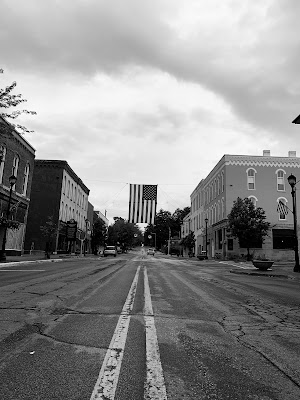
169, 241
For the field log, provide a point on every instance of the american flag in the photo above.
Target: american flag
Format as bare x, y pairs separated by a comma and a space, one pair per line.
282, 208
142, 203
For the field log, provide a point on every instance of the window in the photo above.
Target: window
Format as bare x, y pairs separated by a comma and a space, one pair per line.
61, 213
25, 180
251, 178
15, 168
283, 238
64, 185
2, 161
68, 189
71, 193
282, 213
66, 212
253, 199
222, 181
280, 180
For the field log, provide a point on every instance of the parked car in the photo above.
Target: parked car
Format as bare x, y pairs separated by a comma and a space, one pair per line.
150, 252
110, 251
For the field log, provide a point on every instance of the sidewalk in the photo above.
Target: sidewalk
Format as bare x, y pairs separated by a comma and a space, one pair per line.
27, 258
283, 269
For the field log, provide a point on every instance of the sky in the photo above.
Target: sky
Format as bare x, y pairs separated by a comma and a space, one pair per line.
153, 91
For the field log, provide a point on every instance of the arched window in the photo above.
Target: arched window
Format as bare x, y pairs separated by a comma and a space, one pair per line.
222, 207
2, 161
64, 185
253, 199
68, 188
281, 209
251, 178
15, 168
222, 181
25, 179
280, 180
71, 193
61, 212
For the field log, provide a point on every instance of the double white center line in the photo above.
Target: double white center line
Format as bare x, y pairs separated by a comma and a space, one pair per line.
107, 381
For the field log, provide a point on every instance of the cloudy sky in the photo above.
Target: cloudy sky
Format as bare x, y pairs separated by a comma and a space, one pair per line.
153, 91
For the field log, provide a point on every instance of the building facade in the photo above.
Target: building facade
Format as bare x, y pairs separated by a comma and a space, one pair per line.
57, 193
16, 158
263, 179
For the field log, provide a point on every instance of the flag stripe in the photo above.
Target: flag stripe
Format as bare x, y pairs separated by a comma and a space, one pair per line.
142, 203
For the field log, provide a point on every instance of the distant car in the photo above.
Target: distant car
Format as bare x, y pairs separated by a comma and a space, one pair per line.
110, 251
150, 252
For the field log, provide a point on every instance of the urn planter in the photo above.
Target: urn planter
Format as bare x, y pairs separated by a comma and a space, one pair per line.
262, 265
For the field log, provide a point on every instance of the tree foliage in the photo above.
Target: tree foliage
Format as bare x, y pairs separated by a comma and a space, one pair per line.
49, 231
188, 241
164, 224
247, 223
99, 233
124, 234
8, 100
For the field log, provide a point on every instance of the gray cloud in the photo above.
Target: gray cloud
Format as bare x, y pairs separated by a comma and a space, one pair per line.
256, 73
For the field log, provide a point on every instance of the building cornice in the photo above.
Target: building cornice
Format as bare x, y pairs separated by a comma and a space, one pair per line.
62, 164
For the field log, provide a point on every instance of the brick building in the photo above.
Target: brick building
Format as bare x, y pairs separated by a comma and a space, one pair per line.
263, 179
16, 158
57, 193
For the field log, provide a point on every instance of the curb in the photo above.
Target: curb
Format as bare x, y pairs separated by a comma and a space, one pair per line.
12, 263
269, 274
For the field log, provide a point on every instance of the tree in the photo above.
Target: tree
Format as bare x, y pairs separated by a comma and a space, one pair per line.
124, 234
8, 101
164, 223
99, 234
49, 231
248, 224
188, 241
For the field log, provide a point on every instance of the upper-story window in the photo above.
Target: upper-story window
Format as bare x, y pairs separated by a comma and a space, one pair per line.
282, 210
15, 168
222, 181
68, 188
2, 161
64, 185
25, 180
251, 178
280, 180
253, 199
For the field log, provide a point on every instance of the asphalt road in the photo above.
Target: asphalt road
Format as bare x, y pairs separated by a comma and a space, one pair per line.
141, 327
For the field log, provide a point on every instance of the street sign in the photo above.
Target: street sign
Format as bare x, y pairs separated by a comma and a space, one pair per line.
71, 229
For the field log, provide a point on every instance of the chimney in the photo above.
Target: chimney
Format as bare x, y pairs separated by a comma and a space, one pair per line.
266, 153
292, 154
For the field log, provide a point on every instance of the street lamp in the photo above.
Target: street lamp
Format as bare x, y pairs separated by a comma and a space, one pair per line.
206, 221
12, 181
292, 182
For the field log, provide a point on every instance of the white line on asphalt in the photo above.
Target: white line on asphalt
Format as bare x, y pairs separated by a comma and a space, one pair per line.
22, 270
155, 388
107, 381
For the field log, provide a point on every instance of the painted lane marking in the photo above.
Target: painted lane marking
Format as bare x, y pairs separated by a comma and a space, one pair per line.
155, 388
107, 381
22, 270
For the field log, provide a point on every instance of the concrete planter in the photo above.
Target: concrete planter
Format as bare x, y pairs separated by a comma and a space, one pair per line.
262, 265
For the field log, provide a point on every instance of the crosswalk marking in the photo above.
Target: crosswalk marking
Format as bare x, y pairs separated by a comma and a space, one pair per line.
107, 381
155, 384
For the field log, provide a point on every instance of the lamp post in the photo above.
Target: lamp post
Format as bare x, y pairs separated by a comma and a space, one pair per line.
12, 182
292, 182
206, 221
